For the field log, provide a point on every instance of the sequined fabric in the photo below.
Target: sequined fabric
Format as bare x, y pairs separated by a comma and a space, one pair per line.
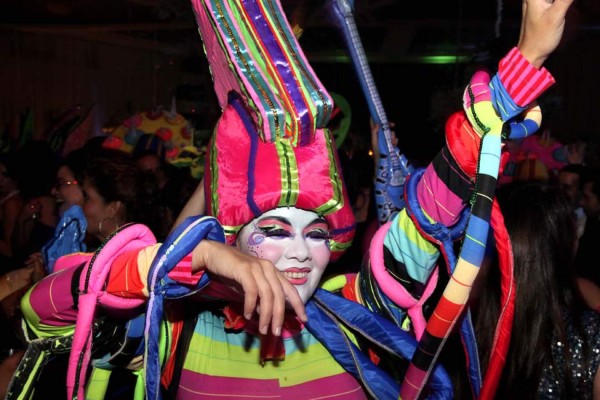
582, 366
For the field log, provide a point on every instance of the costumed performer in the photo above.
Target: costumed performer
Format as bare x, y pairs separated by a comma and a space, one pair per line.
295, 216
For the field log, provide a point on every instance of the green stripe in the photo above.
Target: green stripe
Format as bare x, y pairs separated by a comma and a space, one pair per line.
215, 357
245, 63
97, 384
289, 173
231, 230
337, 201
38, 364
320, 105
339, 246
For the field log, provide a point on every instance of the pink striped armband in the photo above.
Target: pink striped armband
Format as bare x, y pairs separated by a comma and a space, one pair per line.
523, 81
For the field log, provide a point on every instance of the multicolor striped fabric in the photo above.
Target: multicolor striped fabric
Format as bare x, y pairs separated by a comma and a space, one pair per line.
246, 177
253, 52
92, 293
308, 370
178, 245
457, 291
488, 106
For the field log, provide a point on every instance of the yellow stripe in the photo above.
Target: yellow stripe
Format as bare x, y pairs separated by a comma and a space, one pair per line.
465, 272
337, 201
289, 173
406, 225
207, 356
339, 246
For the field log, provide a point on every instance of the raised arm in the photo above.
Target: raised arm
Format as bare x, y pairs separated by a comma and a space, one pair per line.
444, 189
542, 27
194, 206
472, 156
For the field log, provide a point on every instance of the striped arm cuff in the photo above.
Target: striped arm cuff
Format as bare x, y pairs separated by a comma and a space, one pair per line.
522, 81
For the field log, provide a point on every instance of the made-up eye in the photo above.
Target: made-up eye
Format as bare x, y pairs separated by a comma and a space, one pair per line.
275, 231
278, 233
318, 234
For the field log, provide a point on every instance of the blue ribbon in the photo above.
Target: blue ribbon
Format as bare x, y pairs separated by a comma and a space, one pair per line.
178, 244
327, 313
393, 167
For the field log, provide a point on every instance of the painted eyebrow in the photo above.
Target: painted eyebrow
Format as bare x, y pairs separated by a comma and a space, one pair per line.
318, 221
276, 218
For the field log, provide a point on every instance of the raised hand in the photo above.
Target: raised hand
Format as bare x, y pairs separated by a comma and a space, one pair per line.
542, 27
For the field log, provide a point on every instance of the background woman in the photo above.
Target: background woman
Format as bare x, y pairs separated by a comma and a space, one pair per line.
555, 342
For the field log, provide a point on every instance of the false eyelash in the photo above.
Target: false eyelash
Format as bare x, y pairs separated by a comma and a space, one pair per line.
274, 232
319, 235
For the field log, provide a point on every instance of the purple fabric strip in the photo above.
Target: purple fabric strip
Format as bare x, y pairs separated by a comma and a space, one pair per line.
243, 114
277, 54
416, 377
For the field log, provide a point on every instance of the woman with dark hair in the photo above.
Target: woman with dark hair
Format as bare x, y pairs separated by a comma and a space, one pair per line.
67, 188
116, 191
555, 343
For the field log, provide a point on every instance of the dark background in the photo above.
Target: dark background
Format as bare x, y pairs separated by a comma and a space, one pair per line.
125, 56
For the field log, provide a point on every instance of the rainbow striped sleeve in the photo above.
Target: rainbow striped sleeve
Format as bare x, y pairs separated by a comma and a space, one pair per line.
444, 189
128, 275
443, 192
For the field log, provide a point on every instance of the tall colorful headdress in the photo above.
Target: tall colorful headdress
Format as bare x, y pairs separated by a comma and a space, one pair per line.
270, 147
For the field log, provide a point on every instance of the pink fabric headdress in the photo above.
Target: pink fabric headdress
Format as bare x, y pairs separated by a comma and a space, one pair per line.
270, 148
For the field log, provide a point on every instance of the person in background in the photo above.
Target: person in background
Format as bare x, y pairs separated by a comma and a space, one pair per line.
149, 153
115, 192
67, 193
590, 292
586, 260
177, 191
358, 164
37, 219
555, 342
67, 188
569, 181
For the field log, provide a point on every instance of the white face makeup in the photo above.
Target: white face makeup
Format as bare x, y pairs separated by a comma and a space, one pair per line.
296, 241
